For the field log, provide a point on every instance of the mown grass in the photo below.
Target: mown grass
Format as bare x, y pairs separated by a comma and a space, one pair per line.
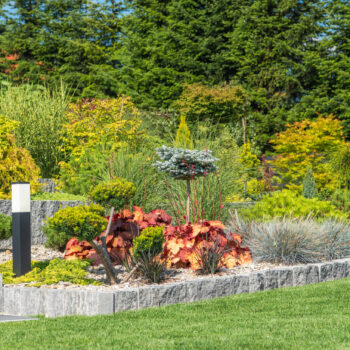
311, 317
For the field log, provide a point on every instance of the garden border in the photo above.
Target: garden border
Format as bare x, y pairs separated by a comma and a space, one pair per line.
28, 301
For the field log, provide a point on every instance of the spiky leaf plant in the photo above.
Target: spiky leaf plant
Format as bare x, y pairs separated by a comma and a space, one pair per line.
285, 241
336, 238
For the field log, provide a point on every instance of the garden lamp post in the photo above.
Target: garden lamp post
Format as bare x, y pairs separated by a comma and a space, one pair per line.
21, 231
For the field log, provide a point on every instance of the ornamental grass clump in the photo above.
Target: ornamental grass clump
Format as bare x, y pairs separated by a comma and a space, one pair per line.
285, 241
336, 238
209, 256
292, 241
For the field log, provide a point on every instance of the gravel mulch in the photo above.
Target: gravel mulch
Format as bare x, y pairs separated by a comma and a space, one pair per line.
41, 253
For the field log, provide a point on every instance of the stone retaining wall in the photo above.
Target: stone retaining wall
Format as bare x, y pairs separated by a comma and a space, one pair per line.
40, 211
26, 301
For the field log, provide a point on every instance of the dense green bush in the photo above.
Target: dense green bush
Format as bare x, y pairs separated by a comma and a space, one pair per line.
5, 226
115, 193
50, 272
73, 221
287, 203
150, 240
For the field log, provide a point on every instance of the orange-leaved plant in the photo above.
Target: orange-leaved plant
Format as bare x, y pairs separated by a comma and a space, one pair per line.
182, 244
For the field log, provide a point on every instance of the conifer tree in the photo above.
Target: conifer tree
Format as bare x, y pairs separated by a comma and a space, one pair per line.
309, 185
183, 135
69, 40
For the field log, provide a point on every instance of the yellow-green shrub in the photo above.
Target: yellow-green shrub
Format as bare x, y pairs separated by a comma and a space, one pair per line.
290, 204
308, 144
150, 241
116, 193
112, 124
50, 272
16, 164
72, 221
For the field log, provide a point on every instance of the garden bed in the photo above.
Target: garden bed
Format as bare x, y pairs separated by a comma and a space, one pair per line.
183, 286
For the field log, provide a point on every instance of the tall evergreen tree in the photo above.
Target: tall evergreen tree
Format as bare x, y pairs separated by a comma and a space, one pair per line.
167, 43
332, 93
70, 40
273, 51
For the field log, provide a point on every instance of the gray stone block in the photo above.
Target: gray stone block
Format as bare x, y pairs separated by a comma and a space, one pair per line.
54, 302
105, 303
285, 277
73, 302
166, 294
206, 288
306, 274
326, 272
125, 300
224, 286
145, 297
191, 291
31, 301
347, 267
340, 269
11, 301
271, 279
256, 282
240, 284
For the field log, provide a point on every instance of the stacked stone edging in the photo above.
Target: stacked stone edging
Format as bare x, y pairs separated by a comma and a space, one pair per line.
40, 211
28, 301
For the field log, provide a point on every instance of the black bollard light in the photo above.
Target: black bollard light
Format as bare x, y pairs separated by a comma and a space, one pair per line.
21, 231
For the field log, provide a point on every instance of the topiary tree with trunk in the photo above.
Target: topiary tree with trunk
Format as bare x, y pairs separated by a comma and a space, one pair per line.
185, 164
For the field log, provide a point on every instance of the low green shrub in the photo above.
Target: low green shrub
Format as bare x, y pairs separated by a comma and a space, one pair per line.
290, 204
5, 226
50, 272
147, 246
151, 240
116, 193
72, 221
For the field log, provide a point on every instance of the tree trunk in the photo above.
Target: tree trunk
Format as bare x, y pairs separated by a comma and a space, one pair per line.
188, 201
106, 261
244, 127
103, 238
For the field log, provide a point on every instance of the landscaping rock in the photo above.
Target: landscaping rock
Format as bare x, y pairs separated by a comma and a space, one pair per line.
326, 272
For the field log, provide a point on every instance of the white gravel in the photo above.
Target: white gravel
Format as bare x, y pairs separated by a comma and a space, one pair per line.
41, 253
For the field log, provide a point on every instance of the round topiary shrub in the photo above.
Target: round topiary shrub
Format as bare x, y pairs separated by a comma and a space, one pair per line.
150, 241
69, 222
115, 193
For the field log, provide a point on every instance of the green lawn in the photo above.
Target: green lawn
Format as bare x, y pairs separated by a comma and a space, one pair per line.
311, 317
